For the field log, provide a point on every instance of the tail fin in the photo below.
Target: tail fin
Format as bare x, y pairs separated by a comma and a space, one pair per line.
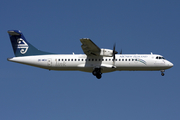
21, 47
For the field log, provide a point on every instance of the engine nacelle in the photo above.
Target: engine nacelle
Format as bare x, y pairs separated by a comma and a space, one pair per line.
106, 52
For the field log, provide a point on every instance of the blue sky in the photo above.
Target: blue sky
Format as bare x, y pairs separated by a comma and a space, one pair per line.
142, 27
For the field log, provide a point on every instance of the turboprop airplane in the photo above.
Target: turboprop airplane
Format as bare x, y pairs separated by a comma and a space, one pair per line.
95, 60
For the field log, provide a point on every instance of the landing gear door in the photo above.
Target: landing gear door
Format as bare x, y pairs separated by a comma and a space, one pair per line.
49, 62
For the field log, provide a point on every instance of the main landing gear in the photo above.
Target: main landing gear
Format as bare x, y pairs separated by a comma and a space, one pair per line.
162, 72
97, 72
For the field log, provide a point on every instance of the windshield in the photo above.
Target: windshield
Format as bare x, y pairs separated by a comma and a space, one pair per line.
159, 57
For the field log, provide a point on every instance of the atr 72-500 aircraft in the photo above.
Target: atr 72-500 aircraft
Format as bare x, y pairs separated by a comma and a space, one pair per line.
95, 60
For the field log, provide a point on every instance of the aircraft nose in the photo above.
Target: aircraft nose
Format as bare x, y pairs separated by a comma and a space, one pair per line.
170, 64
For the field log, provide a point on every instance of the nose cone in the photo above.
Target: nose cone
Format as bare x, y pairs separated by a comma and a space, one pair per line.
170, 64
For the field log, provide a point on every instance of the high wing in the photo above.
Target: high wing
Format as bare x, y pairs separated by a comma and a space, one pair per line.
89, 47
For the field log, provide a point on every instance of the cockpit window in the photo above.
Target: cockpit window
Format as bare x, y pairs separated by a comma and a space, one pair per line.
158, 57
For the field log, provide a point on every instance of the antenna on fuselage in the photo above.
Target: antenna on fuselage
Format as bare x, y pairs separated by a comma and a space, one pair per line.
120, 52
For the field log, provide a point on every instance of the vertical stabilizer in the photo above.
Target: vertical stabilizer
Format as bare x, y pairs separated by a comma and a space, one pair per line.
21, 47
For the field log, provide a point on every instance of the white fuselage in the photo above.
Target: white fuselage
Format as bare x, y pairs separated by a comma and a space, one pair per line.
80, 62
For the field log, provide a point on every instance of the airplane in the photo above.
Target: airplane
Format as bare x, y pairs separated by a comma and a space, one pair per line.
95, 60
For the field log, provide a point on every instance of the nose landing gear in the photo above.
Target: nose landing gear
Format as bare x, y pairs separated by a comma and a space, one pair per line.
162, 72
97, 72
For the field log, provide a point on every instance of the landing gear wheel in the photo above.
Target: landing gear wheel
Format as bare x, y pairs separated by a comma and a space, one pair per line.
162, 74
94, 72
98, 76
97, 72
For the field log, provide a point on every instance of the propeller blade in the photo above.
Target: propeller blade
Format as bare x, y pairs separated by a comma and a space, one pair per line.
114, 56
114, 52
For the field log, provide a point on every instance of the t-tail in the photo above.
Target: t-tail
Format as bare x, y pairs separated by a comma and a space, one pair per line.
21, 47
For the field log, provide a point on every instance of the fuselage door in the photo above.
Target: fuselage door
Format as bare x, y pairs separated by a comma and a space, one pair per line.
49, 62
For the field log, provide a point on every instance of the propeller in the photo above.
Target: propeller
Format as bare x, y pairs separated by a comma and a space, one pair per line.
114, 51
114, 56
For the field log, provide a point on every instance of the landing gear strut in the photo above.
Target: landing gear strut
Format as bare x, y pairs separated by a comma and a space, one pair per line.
97, 72
162, 72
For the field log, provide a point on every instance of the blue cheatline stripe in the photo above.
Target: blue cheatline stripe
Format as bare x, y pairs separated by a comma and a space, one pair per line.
142, 61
